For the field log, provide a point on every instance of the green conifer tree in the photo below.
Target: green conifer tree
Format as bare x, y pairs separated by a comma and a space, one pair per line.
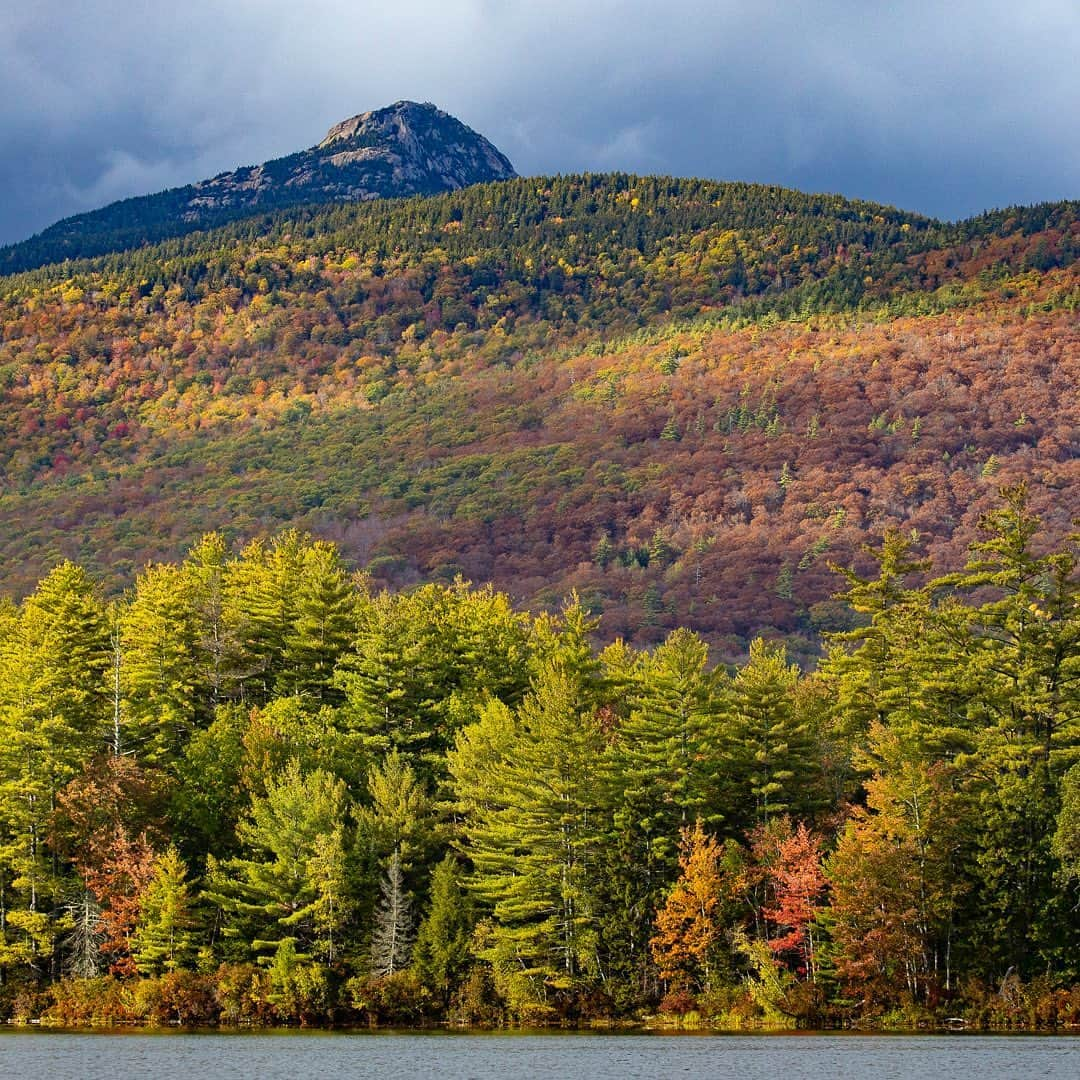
159, 671
535, 835
54, 713
164, 937
324, 628
441, 954
770, 749
273, 892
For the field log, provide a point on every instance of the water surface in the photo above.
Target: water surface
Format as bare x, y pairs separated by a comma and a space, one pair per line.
41, 1055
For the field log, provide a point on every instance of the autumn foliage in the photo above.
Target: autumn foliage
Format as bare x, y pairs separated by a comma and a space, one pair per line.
768, 709
684, 400
687, 928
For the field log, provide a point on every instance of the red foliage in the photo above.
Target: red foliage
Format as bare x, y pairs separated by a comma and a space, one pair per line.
108, 819
799, 885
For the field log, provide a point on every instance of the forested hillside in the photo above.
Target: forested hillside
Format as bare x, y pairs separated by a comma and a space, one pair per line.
683, 399
258, 791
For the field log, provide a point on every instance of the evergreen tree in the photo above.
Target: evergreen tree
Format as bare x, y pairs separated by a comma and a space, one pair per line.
54, 705
772, 761
331, 910
1023, 642
164, 938
441, 955
324, 628
260, 596
425, 661
399, 818
209, 797
159, 673
943, 735
299, 990
1066, 840
668, 748
216, 648
535, 837
864, 665
273, 893
664, 757
288, 729
1017, 665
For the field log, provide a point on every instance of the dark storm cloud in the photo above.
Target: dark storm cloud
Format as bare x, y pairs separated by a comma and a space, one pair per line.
944, 108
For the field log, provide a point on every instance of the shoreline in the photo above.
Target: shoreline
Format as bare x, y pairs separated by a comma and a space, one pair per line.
594, 1027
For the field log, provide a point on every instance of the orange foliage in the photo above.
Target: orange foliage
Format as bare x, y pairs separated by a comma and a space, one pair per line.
687, 926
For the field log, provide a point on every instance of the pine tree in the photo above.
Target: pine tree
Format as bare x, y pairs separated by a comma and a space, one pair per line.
216, 648
273, 893
769, 744
664, 757
299, 990
54, 712
1016, 660
399, 818
535, 836
667, 749
425, 661
159, 673
209, 798
864, 666
442, 942
324, 628
260, 597
331, 911
1024, 642
164, 938
1066, 839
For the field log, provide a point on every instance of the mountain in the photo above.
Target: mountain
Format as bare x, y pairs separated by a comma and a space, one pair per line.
404, 149
683, 399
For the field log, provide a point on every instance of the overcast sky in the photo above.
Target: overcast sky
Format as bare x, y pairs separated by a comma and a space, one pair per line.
942, 106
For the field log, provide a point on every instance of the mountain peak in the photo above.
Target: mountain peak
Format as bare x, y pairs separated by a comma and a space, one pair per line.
418, 140
401, 113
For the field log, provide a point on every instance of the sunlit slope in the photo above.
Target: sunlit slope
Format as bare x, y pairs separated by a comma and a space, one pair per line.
683, 399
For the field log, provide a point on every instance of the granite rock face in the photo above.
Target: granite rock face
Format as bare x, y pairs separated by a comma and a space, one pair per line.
404, 149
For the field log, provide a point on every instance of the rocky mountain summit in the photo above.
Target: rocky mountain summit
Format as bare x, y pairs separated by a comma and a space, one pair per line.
421, 143
404, 149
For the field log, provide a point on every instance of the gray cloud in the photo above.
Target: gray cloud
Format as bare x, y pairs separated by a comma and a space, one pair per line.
946, 109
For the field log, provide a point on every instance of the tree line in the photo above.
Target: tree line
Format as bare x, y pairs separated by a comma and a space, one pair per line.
255, 790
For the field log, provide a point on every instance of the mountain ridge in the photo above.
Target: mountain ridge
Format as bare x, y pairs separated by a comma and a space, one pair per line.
402, 150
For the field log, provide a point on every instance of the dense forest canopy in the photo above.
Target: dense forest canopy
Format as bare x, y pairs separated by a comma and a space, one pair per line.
258, 789
682, 398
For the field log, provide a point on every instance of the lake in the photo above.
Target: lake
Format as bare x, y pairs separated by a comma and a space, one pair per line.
30, 1055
